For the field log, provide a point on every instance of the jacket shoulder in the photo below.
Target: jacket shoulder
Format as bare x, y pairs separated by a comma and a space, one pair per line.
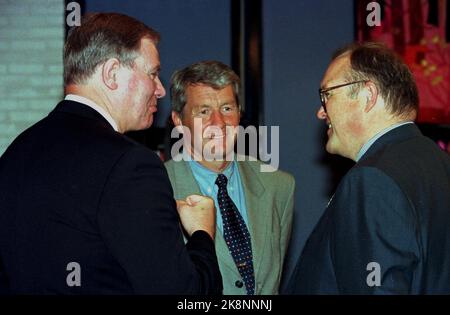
269, 173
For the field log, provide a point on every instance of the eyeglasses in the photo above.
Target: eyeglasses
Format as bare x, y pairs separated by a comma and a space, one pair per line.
324, 96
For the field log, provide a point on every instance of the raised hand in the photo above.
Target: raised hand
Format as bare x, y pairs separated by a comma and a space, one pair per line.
197, 213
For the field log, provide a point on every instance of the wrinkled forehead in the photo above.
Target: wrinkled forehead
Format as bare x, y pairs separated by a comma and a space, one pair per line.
336, 71
204, 92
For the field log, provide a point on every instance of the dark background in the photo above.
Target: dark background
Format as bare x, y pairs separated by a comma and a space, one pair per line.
280, 48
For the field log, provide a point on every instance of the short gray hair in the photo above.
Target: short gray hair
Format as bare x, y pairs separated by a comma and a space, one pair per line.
211, 73
102, 36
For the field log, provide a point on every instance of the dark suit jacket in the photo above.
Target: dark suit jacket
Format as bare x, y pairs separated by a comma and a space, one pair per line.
391, 209
74, 190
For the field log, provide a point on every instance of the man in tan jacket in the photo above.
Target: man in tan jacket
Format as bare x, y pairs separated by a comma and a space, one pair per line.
205, 97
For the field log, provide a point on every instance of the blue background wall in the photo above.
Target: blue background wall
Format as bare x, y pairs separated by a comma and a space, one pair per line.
299, 37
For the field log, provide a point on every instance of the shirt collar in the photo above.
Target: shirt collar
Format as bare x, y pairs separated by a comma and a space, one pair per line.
372, 140
210, 176
94, 106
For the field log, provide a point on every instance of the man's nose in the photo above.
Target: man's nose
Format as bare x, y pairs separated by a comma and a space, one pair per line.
321, 113
217, 118
160, 91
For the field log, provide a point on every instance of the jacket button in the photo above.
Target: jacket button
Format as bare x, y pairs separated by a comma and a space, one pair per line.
239, 284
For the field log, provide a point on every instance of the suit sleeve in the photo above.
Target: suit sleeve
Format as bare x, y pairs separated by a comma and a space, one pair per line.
374, 239
139, 222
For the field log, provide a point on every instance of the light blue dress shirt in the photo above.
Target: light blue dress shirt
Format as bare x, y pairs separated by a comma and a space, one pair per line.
206, 180
372, 140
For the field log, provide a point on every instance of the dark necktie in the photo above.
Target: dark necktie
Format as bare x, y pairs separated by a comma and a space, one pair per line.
236, 235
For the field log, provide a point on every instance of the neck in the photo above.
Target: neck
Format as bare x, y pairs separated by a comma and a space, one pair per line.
215, 166
377, 127
385, 124
98, 97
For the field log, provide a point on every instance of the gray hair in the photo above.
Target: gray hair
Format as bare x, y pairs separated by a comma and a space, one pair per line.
102, 36
377, 63
211, 73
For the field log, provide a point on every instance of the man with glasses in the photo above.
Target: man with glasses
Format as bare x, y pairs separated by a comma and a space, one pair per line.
386, 230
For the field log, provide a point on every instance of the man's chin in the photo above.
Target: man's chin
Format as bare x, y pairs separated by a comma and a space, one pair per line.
214, 156
337, 151
330, 148
217, 155
141, 126
148, 123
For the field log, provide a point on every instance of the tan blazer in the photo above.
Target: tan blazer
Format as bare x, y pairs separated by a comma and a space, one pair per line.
269, 199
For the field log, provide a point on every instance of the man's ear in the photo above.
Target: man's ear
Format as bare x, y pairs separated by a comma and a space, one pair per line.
177, 121
371, 96
110, 71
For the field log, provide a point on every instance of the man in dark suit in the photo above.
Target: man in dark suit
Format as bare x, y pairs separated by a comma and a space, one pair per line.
83, 208
386, 230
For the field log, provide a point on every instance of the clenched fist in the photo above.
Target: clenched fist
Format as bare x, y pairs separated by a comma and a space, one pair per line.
197, 213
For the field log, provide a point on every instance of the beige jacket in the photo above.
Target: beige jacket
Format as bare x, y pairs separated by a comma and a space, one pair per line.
269, 199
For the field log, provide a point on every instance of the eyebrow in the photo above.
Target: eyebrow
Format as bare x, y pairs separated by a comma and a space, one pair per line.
230, 102
155, 68
323, 86
224, 103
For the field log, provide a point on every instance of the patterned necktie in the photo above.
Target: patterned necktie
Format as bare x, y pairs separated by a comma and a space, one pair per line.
236, 235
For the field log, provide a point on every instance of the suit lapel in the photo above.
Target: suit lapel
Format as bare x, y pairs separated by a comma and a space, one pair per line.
257, 211
187, 185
